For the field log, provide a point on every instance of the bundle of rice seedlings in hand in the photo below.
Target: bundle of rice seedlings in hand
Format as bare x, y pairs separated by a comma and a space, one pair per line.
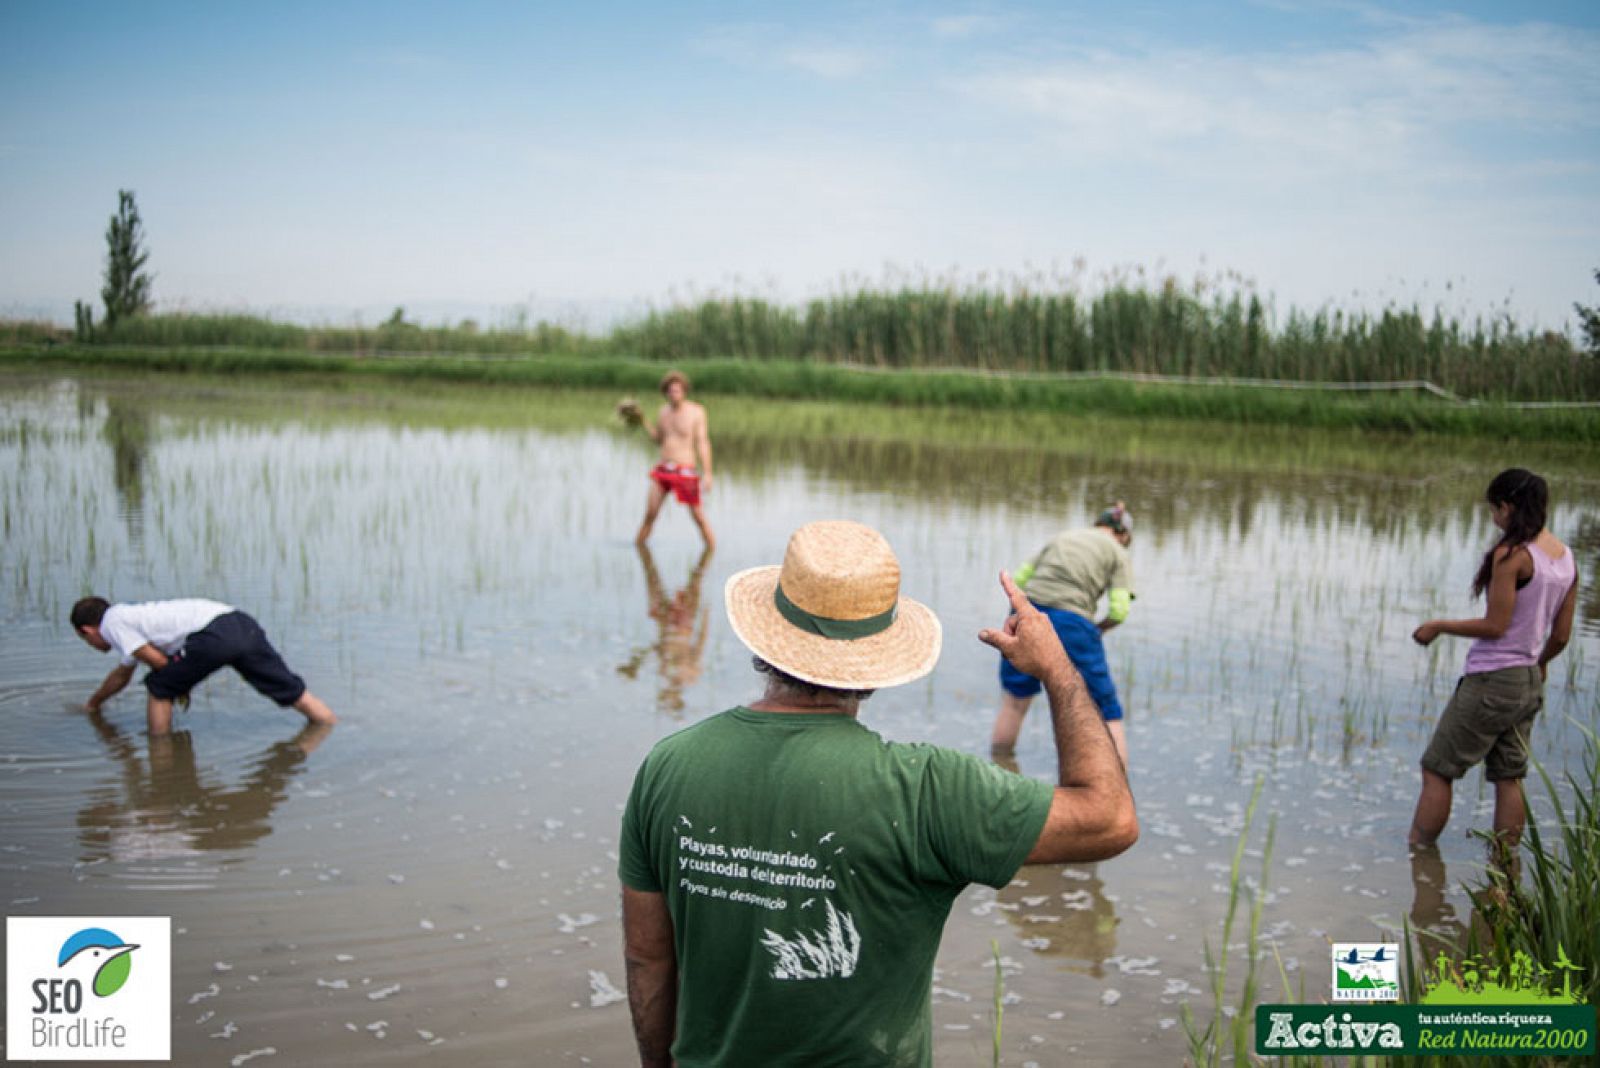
629, 412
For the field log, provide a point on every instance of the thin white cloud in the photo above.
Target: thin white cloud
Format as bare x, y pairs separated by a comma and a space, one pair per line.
956, 27
763, 46
828, 62
1406, 98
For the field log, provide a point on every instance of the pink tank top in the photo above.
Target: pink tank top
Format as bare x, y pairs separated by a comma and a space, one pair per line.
1531, 619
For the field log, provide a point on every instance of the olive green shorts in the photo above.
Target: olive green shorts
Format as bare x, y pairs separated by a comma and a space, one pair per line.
1488, 719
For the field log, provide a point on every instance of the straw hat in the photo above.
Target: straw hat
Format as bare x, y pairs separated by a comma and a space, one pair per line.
832, 615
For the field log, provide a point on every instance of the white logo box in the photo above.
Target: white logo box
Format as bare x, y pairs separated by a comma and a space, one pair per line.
1374, 965
52, 1010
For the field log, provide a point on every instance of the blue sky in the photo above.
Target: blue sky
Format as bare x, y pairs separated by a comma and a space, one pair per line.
329, 161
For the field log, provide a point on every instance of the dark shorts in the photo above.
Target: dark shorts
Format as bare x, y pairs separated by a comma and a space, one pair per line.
1081, 639
682, 482
1488, 718
231, 640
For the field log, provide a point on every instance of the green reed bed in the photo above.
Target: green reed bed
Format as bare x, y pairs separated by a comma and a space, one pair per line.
1166, 331
1035, 324
930, 388
395, 336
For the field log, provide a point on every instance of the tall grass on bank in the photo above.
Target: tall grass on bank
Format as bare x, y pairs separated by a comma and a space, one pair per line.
1163, 331
394, 336
1039, 325
1090, 399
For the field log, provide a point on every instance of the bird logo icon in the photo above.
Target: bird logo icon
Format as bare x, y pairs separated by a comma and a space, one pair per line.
96, 948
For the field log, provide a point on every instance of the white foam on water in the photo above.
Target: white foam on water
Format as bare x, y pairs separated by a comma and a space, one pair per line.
602, 991
265, 1051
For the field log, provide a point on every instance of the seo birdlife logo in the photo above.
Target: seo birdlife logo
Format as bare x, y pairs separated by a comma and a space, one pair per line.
88, 989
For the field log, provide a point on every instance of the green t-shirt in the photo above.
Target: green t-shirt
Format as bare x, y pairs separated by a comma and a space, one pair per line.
809, 866
1075, 570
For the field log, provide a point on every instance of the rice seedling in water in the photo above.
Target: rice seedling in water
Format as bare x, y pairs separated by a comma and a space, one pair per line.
1230, 1027
999, 995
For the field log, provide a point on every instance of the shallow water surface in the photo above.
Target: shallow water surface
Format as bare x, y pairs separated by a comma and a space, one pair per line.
452, 570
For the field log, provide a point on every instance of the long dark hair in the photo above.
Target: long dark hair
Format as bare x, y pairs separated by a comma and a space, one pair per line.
1528, 497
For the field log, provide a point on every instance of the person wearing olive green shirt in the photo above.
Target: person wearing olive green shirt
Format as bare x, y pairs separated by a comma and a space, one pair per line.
1066, 581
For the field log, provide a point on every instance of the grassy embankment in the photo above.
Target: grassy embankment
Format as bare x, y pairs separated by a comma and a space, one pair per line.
948, 347
933, 389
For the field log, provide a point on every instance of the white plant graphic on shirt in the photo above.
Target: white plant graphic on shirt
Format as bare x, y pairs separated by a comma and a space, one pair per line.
826, 954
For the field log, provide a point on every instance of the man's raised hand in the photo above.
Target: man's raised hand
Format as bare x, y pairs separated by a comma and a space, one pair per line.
1028, 639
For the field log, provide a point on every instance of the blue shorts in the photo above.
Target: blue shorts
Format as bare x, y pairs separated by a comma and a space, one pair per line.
1081, 638
233, 640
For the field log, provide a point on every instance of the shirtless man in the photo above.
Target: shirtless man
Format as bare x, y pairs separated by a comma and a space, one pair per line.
681, 432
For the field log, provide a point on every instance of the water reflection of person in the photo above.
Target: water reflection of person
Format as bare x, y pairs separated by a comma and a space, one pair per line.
1061, 911
1074, 922
164, 807
1433, 917
683, 626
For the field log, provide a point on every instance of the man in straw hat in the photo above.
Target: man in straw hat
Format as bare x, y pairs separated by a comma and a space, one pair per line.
787, 872
1066, 581
681, 432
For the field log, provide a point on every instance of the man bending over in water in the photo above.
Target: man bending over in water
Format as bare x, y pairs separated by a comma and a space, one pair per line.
681, 432
182, 642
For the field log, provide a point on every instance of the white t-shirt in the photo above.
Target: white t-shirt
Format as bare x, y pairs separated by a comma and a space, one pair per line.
163, 624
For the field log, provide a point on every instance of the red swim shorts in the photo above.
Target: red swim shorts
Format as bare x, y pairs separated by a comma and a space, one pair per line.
682, 481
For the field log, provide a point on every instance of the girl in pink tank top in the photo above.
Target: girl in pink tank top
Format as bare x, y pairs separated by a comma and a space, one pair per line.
1532, 585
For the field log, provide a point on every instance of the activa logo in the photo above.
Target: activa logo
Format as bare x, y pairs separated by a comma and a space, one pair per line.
1290, 1030
79, 998
92, 950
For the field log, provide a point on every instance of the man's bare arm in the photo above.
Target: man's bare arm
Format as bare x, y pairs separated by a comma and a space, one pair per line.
1091, 815
654, 433
113, 685
652, 968
151, 657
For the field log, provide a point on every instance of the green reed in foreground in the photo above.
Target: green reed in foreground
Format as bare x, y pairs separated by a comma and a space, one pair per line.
1552, 921
1211, 1045
1551, 917
1554, 913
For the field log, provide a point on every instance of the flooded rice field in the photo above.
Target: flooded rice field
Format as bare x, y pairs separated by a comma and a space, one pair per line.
452, 570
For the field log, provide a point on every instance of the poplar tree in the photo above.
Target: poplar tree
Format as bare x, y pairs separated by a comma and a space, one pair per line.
127, 289
1589, 319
